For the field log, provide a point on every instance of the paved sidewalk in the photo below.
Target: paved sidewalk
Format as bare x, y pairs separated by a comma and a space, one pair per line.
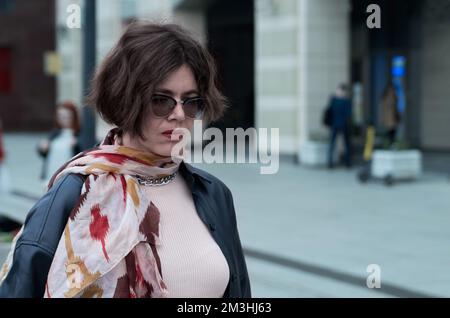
330, 222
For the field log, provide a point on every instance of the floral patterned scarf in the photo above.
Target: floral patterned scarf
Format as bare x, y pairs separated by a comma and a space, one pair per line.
108, 247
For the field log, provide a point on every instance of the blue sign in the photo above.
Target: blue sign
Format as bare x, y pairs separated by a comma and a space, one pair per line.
398, 72
398, 66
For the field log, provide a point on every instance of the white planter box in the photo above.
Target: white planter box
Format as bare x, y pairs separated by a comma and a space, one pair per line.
399, 164
314, 153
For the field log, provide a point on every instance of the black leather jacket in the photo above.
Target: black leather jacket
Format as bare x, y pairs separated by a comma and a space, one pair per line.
45, 223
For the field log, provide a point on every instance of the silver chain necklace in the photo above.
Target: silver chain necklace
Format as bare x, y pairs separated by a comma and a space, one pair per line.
147, 181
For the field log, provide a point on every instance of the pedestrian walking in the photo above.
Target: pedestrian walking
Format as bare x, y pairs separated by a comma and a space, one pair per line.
340, 116
390, 116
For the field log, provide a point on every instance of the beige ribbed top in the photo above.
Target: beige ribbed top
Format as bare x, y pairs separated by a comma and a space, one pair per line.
191, 261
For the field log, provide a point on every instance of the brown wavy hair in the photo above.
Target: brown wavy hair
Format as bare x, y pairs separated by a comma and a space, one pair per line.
143, 57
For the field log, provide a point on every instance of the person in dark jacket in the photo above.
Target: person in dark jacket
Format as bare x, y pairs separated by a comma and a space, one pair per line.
341, 116
129, 218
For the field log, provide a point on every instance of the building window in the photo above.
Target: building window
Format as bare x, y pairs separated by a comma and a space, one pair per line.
5, 71
6, 6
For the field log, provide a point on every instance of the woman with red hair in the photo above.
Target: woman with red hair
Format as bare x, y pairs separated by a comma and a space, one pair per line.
62, 144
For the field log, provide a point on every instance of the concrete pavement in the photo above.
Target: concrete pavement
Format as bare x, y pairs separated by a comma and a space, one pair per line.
338, 226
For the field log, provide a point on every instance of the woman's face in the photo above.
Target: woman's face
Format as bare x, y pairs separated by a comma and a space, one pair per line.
64, 117
180, 85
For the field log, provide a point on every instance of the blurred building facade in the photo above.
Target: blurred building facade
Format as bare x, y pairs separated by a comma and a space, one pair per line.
417, 30
303, 49
27, 91
284, 60
279, 60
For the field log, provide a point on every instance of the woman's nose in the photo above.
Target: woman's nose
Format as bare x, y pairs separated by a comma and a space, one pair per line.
177, 112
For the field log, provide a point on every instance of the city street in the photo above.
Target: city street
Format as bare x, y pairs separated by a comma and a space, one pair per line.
310, 232
307, 79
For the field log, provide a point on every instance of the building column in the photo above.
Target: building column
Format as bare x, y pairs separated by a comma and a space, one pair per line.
302, 54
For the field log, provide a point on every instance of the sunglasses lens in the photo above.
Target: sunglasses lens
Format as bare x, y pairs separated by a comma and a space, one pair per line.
193, 108
162, 106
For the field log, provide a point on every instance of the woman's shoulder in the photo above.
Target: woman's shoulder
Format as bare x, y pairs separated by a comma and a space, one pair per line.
211, 182
215, 190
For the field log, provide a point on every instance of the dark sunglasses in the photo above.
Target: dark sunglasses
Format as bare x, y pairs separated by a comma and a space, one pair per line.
163, 105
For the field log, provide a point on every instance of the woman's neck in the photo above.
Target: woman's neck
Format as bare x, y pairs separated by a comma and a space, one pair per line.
125, 140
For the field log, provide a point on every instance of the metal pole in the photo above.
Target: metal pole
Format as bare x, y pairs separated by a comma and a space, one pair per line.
87, 138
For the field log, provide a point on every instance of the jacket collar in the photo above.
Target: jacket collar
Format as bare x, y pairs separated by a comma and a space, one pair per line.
193, 175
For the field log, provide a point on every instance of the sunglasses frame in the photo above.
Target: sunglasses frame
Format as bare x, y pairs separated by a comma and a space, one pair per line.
175, 102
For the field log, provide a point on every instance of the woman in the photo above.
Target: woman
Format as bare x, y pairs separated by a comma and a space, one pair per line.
62, 143
137, 221
390, 116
